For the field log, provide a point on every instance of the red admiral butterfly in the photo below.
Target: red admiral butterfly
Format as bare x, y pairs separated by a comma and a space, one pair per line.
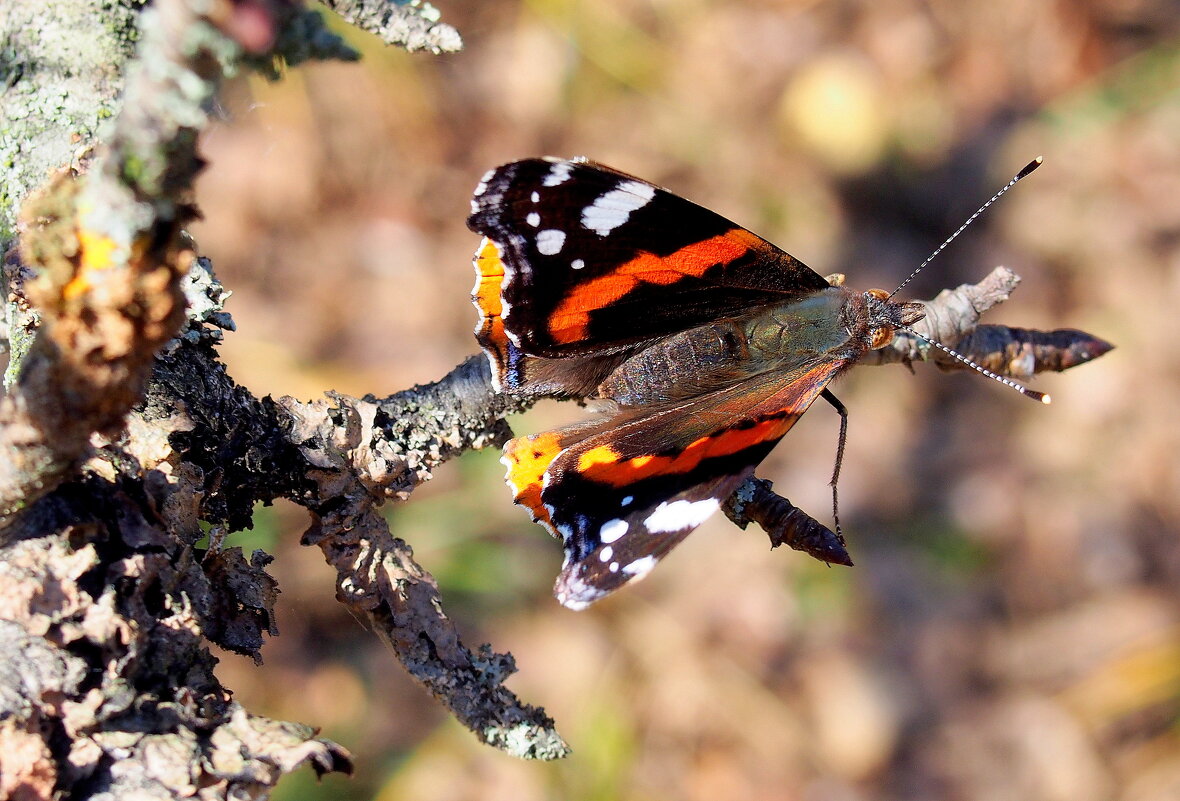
703, 342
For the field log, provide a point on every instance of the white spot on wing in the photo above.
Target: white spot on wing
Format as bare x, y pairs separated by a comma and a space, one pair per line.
574, 593
535, 197
577, 264
679, 515
559, 173
611, 210
640, 567
572, 604
614, 567
607, 554
550, 241
612, 529
482, 186
533, 219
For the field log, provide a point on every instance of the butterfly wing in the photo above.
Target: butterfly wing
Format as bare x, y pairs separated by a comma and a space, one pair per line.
623, 493
583, 262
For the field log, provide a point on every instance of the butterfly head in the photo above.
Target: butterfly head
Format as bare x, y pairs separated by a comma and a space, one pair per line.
884, 316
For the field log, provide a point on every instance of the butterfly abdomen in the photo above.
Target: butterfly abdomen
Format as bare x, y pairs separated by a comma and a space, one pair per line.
680, 366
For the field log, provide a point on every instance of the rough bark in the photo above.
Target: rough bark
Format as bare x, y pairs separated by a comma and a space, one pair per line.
121, 434
414, 25
51, 108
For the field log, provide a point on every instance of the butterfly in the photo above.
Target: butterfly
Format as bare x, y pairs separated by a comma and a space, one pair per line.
700, 343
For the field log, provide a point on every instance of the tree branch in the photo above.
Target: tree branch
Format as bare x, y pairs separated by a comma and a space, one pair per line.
413, 25
342, 457
952, 318
110, 261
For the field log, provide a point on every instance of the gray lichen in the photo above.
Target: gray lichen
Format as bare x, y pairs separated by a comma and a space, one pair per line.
59, 83
412, 24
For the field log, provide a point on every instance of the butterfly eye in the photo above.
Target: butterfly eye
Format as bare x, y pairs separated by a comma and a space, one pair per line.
881, 336
879, 294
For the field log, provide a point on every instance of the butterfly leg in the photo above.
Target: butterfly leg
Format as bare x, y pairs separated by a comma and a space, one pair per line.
843, 412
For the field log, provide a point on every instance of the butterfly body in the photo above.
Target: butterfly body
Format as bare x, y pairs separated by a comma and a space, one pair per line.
703, 342
783, 338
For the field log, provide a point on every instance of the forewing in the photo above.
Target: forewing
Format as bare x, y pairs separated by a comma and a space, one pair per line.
580, 260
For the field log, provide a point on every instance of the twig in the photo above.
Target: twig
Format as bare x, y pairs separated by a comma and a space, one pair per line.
785, 524
413, 25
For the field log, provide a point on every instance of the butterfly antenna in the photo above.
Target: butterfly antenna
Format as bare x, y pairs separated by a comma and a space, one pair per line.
1043, 397
1028, 168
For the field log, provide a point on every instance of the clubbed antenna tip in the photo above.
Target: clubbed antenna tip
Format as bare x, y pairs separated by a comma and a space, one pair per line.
1032, 165
1043, 397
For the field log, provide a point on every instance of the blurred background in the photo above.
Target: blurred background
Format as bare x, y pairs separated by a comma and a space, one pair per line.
1011, 629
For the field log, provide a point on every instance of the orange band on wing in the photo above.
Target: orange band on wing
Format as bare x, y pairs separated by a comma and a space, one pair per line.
603, 464
489, 276
489, 279
527, 459
569, 321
